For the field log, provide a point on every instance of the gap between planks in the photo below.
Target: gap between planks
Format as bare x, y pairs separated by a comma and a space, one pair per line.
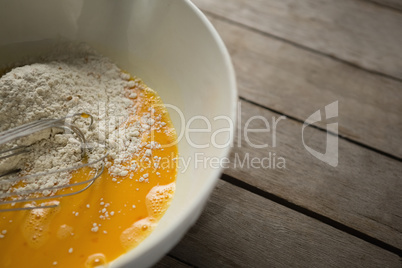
395, 5
362, 192
169, 261
296, 82
298, 45
239, 228
356, 31
326, 131
337, 225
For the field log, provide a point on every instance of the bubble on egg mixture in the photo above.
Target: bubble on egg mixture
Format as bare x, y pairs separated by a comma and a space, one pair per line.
36, 225
96, 260
137, 232
157, 202
64, 231
159, 199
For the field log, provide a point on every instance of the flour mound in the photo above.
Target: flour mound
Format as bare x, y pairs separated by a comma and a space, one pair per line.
77, 81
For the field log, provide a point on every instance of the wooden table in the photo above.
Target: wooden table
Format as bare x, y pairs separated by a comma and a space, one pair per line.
293, 58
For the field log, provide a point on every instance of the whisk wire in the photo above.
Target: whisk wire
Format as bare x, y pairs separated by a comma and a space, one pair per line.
25, 195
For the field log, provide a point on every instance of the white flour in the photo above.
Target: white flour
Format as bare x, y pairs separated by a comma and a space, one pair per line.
81, 81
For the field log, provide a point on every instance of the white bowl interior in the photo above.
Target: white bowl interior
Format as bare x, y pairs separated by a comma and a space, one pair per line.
175, 50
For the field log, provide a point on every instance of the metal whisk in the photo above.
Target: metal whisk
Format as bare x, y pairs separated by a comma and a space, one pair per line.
31, 196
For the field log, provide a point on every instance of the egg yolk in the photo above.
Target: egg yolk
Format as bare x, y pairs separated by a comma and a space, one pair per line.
103, 222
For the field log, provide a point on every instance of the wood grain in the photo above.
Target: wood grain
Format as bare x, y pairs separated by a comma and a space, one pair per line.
297, 82
363, 191
358, 32
241, 229
397, 4
169, 262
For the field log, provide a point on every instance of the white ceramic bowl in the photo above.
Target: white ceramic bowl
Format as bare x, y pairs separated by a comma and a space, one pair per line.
173, 47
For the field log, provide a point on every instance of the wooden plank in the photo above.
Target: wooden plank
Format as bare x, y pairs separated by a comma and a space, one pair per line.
169, 262
362, 192
241, 229
358, 32
297, 82
397, 4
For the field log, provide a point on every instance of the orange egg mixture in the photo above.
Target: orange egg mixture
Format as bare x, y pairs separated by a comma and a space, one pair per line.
105, 221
